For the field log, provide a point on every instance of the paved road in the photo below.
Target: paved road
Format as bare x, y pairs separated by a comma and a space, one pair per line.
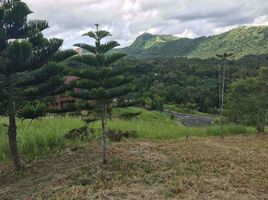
192, 120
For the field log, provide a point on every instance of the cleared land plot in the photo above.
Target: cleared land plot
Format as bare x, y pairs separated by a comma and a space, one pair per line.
201, 168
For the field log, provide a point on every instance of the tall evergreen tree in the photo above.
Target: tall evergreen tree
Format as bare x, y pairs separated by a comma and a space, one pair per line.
24, 54
100, 79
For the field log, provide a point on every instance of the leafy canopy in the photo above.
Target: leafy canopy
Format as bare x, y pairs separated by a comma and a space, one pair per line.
248, 100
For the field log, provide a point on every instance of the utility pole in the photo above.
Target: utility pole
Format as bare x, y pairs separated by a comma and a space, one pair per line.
222, 70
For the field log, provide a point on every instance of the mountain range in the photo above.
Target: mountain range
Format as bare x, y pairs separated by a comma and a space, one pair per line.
242, 41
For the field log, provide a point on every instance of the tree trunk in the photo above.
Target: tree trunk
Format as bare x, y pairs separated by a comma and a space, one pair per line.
12, 129
104, 133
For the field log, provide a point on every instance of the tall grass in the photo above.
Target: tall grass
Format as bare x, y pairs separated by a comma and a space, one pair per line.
160, 130
46, 135
39, 137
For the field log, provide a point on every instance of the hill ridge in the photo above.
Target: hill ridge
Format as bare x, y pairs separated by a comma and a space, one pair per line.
242, 41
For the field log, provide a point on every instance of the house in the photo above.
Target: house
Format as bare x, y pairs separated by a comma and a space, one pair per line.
61, 101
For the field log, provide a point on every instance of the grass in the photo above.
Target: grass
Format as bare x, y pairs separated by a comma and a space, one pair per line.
156, 125
43, 136
165, 128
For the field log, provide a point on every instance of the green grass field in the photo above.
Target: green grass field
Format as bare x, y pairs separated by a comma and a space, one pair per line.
46, 135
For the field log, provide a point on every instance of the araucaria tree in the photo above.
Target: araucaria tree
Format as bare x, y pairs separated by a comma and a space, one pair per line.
248, 101
100, 80
24, 70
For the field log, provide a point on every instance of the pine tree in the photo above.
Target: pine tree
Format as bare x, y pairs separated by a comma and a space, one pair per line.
100, 79
24, 54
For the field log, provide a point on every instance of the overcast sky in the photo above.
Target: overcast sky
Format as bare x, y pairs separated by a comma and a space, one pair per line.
126, 19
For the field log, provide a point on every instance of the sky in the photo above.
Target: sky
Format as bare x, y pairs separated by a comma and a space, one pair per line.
127, 19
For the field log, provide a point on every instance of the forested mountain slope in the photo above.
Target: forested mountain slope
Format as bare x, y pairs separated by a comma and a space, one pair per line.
241, 41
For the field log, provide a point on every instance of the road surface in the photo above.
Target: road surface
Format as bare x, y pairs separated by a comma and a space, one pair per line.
192, 120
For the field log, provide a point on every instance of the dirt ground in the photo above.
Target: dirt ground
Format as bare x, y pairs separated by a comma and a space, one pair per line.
234, 168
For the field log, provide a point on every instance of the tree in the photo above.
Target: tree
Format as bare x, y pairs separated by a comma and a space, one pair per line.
100, 80
248, 100
24, 54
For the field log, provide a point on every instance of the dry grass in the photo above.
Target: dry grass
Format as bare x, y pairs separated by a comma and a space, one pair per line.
233, 168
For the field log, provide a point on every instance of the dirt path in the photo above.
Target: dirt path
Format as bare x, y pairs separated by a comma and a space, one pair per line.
233, 168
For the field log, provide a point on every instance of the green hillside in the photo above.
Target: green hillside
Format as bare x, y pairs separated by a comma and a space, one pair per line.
146, 42
242, 41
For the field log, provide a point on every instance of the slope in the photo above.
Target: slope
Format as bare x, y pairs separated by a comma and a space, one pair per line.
242, 41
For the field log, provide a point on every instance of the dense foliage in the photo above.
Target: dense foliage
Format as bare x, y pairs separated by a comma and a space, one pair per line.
193, 83
248, 100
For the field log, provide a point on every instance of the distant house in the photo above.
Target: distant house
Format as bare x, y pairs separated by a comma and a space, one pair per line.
61, 101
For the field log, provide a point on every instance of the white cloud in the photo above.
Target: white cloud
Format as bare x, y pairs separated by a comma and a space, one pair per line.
126, 19
186, 34
262, 20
